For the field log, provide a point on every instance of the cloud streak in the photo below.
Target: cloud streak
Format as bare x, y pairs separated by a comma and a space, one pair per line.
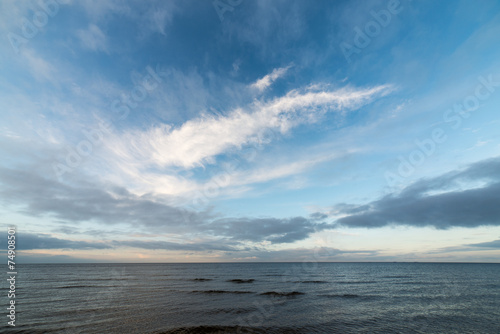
27, 242
487, 245
199, 141
263, 83
30, 241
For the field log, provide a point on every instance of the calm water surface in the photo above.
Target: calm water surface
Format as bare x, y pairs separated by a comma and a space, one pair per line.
257, 298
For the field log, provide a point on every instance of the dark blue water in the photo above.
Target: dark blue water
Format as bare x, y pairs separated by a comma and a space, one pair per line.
257, 298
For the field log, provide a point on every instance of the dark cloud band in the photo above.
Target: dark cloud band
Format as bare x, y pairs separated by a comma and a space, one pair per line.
418, 206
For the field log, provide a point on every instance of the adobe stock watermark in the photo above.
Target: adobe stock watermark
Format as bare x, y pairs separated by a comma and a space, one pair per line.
454, 117
31, 27
121, 108
222, 6
372, 29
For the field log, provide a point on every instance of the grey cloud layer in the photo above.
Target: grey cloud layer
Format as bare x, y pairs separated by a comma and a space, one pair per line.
111, 205
488, 245
417, 206
30, 241
438, 202
85, 202
275, 230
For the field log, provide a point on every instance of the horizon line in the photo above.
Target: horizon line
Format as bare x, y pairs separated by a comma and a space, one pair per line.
259, 262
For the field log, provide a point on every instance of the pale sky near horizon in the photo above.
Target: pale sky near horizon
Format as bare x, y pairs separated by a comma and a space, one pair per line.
238, 130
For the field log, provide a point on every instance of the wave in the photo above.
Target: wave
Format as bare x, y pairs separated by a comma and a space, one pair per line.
243, 330
317, 282
350, 296
78, 312
231, 310
220, 291
215, 330
239, 281
85, 286
21, 329
80, 280
347, 295
202, 279
416, 283
356, 282
282, 294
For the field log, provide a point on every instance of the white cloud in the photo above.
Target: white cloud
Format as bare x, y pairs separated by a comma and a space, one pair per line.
93, 38
276, 171
232, 180
159, 18
150, 161
200, 140
267, 80
39, 68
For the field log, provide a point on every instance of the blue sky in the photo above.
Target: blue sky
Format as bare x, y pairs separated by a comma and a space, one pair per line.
195, 131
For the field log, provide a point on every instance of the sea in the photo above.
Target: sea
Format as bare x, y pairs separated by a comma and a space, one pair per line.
306, 297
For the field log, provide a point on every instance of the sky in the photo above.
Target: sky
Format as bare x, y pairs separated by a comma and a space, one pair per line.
238, 130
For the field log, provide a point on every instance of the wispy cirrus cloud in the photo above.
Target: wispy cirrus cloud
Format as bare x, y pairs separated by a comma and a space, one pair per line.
93, 38
263, 83
151, 159
200, 140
